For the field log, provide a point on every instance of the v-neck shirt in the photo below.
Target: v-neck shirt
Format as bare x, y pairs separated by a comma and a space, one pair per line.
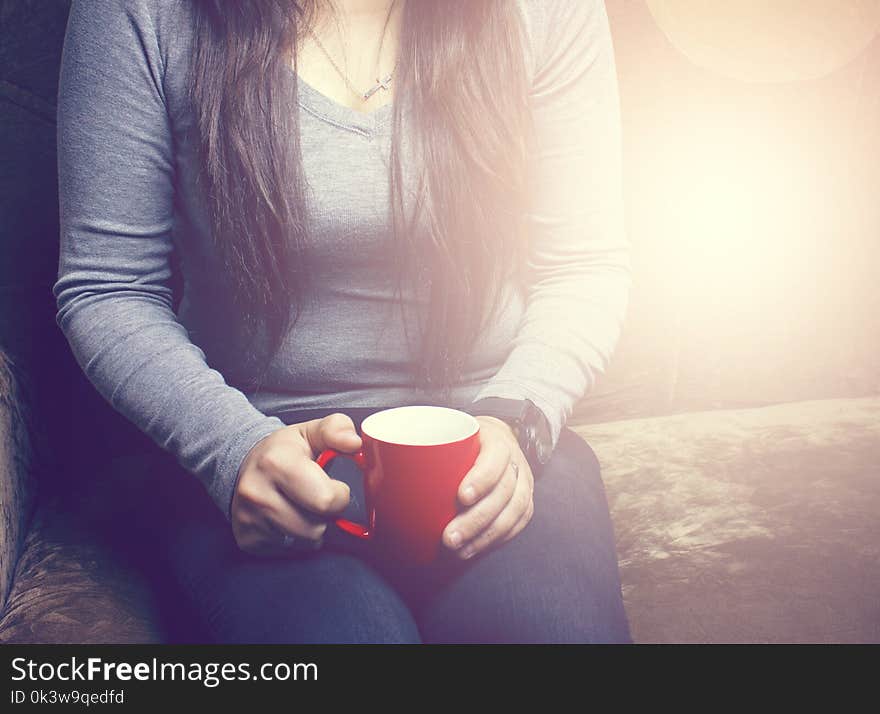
129, 198
368, 124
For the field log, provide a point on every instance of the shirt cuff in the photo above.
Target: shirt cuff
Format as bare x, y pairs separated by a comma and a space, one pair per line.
222, 488
550, 379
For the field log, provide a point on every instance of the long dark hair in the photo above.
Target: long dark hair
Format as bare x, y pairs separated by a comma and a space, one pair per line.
462, 68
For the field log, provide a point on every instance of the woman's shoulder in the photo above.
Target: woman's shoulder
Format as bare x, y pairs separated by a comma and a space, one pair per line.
142, 41
547, 20
562, 30
157, 34
156, 23
137, 12
551, 8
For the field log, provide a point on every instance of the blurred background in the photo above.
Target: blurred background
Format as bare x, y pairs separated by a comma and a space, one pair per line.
752, 168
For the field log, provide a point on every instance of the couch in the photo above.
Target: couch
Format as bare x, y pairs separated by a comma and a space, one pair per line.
738, 427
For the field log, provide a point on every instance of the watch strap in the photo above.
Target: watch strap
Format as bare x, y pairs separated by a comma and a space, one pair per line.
529, 424
509, 410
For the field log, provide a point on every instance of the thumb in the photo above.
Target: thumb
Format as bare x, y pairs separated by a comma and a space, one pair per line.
334, 431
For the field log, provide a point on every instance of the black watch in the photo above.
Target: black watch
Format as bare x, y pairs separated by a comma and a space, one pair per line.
528, 422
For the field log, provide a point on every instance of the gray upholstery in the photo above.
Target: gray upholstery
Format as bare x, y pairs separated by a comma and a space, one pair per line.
752, 525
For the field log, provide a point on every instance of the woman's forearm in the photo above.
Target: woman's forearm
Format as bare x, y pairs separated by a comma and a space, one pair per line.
116, 187
141, 360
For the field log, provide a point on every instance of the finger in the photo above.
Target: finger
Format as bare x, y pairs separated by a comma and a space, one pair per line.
309, 486
466, 526
270, 541
503, 526
287, 518
334, 431
294, 474
262, 518
489, 467
523, 521
285, 454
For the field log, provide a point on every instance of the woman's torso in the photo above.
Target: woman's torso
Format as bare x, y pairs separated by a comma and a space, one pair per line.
348, 346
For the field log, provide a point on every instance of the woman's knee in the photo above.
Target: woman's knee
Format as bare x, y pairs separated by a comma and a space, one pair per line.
574, 455
571, 481
324, 598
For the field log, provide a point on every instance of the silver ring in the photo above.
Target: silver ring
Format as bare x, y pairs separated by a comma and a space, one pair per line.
292, 542
515, 467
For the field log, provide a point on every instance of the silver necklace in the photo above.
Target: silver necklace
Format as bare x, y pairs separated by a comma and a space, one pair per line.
383, 84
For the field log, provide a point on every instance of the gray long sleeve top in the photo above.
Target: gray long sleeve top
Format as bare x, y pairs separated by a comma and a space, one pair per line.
128, 197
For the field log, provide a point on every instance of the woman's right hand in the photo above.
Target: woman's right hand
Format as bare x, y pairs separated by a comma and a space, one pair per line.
282, 490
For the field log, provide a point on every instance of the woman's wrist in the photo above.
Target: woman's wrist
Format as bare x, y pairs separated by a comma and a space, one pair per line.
528, 424
501, 422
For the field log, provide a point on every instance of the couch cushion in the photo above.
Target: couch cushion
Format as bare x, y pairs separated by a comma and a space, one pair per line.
754, 525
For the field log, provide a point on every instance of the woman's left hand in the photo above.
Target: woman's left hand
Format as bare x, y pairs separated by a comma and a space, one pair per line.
496, 493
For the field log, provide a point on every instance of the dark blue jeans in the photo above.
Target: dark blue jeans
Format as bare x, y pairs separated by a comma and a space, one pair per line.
557, 581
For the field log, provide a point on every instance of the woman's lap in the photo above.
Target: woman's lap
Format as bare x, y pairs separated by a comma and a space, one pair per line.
326, 597
557, 581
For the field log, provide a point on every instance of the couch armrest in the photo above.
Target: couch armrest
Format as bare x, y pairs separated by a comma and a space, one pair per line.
16, 484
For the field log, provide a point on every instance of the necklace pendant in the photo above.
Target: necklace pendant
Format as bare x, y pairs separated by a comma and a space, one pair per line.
384, 84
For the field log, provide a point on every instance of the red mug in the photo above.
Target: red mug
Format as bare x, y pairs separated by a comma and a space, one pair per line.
413, 460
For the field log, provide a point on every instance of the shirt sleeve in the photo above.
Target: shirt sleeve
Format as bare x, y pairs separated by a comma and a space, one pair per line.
579, 253
116, 178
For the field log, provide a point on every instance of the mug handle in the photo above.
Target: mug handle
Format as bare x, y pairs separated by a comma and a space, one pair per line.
355, 529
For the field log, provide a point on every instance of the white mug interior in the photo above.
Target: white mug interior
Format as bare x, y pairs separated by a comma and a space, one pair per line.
420, 425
